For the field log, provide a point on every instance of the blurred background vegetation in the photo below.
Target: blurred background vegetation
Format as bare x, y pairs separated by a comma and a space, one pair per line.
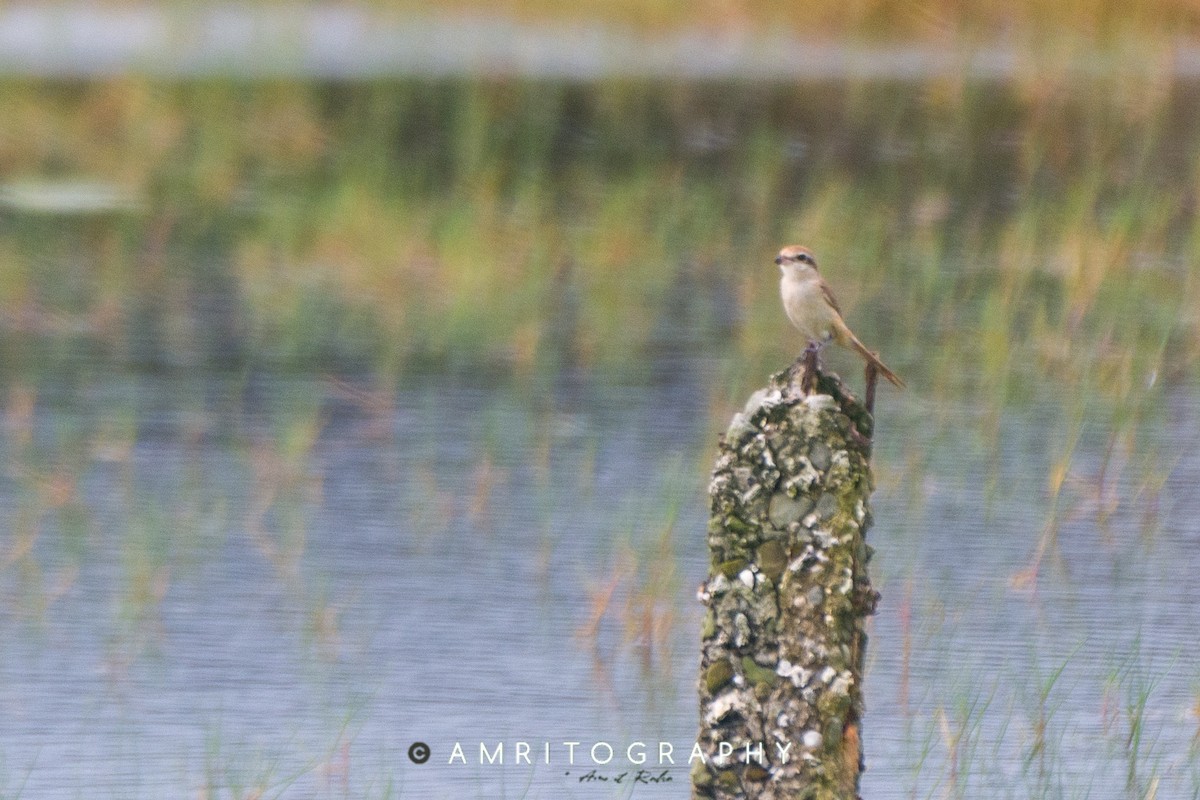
986, 236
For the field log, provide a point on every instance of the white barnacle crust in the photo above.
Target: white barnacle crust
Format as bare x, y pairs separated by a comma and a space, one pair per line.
772, 398
812, 739
797, 563
768, 460
741, 628
756, 401
847, 582
843, 683
798, 675
721, 706
821, 402
739, 426
762, 400
839, 466
815, 649
804, 476
746, 576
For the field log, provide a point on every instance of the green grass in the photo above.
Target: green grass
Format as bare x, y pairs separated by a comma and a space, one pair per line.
984, 237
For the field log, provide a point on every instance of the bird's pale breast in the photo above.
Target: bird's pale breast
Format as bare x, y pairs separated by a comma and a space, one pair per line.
806, 306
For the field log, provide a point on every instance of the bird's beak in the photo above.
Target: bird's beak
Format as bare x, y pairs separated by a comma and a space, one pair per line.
779, 260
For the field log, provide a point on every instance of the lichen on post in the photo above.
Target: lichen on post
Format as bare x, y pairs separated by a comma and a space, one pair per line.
788, 597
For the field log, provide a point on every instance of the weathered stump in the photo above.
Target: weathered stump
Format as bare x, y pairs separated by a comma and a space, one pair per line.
788, 597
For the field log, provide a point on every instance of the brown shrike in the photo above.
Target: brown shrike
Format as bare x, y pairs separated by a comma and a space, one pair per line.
810, 306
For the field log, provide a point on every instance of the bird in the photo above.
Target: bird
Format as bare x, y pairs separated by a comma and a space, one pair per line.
812, 309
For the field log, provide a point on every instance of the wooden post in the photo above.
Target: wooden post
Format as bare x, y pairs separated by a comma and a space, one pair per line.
788, 597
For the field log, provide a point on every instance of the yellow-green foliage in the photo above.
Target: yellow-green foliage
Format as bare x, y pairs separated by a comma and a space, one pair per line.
981, 235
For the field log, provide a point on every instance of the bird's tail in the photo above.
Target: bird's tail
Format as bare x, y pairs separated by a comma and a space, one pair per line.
895, 379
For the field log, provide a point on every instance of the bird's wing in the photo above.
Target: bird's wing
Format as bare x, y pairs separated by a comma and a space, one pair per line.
829, 298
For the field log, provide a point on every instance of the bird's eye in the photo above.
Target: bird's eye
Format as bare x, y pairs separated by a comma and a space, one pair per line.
803, 257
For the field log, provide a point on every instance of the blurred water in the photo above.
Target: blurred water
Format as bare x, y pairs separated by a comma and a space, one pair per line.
342, 41
424, 572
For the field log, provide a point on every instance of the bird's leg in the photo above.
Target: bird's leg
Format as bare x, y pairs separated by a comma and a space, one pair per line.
811, 359
812, 363
799, 363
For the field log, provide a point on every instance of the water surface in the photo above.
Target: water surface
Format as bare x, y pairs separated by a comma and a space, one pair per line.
430, 572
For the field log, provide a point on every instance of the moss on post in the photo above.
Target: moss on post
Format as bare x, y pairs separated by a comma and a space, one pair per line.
787, 597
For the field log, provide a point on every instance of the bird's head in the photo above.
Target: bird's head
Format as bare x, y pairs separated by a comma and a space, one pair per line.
797, 260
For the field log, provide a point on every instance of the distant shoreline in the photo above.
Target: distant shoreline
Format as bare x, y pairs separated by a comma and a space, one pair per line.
341, 43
